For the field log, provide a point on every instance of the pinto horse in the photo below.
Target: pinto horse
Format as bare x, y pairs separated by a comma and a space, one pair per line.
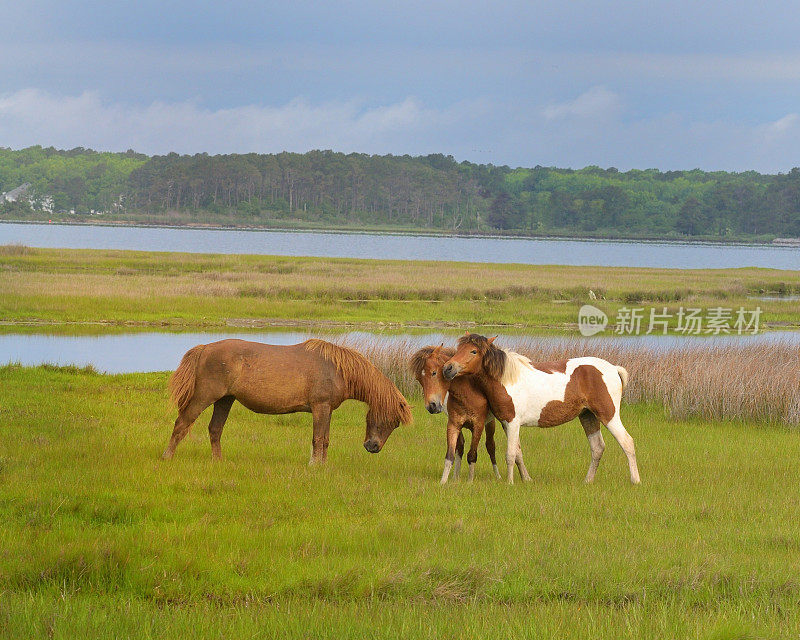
547, 394
470, 405
314, 377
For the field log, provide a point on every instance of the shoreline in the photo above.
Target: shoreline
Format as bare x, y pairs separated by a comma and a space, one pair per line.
408, 233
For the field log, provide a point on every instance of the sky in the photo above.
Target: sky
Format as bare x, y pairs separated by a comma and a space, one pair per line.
678, 85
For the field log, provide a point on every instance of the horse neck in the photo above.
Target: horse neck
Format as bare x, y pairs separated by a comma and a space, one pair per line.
497, 396
462, 386
373, 392
517, 369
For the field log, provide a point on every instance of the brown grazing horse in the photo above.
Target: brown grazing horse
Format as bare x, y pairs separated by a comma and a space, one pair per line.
314, 376
470, 405
547, 394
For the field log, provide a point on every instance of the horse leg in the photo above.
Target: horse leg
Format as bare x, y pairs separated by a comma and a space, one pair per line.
591, 426
512, 449
453, 431
183, 423
626, 442
472, 456
321, 414
514, 456
222, 408
459, 456
523, 471
490, 447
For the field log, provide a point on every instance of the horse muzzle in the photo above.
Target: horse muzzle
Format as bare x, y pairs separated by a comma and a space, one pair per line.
434, 407
450, 370
372, 446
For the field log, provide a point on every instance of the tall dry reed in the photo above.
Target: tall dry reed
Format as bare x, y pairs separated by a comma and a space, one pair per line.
15, 249
758, 382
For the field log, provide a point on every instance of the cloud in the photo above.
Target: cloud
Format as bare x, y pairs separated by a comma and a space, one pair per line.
582, 132
596, 103
593, 128
31, 116
781, 129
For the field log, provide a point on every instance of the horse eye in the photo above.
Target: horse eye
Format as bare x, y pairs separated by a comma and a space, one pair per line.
474, 351
433, 375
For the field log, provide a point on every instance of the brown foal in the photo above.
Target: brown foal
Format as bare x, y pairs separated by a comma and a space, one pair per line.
472, 403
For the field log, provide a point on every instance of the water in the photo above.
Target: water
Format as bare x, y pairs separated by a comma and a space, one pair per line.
134, 352
404, 247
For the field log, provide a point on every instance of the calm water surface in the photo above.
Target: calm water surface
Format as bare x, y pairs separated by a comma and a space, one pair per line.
132, 352
404, 247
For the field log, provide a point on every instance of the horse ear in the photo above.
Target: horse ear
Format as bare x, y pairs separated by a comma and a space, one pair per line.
492, 339
466, 333
436, 350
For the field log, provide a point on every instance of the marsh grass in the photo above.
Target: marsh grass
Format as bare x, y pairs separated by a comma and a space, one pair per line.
750, 382
15, 249
209, 290
101, 539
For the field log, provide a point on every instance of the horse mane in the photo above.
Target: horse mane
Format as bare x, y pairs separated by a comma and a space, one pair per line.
501, 364
494, 358
417, 362
515, 364
363, 380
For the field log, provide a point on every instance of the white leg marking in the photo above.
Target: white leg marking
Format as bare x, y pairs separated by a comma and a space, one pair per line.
496, 471
471, 471
512, 450
626, 442
446, 473
523, 471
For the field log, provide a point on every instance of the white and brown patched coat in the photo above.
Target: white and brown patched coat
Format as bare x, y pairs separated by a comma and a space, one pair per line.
552, 393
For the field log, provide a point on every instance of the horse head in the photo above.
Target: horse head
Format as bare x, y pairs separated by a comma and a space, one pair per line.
426, 364
381, 422
475, 355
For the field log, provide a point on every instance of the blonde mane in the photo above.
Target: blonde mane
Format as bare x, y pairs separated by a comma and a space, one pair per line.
363, 380
515, 364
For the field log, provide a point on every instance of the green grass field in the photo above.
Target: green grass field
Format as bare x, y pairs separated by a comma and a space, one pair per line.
83, 290
98, 538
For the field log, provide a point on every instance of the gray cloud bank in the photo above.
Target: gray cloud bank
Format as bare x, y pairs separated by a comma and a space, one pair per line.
594, 127
676, 85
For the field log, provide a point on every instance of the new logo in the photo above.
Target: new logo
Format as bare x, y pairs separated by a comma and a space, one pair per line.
591, 320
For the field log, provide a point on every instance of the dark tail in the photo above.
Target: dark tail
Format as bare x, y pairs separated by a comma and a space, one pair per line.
181, 383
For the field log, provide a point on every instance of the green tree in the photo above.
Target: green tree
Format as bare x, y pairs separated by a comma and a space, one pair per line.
691, 220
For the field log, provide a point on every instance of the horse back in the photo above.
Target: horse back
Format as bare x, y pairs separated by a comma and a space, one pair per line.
269, 378
547, 396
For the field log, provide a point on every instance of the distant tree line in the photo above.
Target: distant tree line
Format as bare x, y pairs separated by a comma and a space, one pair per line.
427, 192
